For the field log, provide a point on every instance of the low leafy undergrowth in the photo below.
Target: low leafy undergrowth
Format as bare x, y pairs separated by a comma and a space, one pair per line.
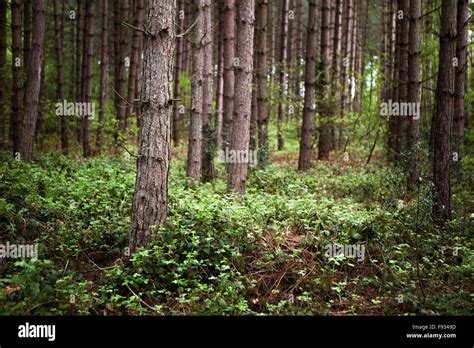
263, 254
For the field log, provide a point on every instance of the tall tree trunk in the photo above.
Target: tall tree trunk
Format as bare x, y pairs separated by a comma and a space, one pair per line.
271, 37
188, 16
290, 59
345, 92
207, 151
262, 83
17, 64
362, 46
414, 90
392, 138
332, 19
444, 112
79, 60
150, 199
385, 51
126, 54
87, 74
304, 161
195, 131
26, 37
353, 54
237, 176
393, 74
118, 64
298, 57
177, 75
69, 28
357, 55
229, 73
324, 144
253, 113
104, 67
220, 84
460, 82
282, 73
59, 30
188, 59
121, 59
404, 6
135, 59
29, 117
336, 63
3, 62
429, 92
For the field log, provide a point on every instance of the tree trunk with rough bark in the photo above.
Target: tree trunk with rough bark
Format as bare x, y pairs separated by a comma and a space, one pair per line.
262, 82
79, 55
282, 63
404, 6
353, 54
237, 176
177, 75
207, 151
59, 30
298, 56
444, 113
150, 199
414, 91
229, 73
33, 83
220, 84
139, 10
26, 40
392, 137
104, 68
336, 62
460, 81
195, 129
121, 60
304, 161
347, 44
87, 75
17, 65
324, 144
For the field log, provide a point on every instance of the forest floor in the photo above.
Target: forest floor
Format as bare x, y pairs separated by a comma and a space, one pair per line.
266, 253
